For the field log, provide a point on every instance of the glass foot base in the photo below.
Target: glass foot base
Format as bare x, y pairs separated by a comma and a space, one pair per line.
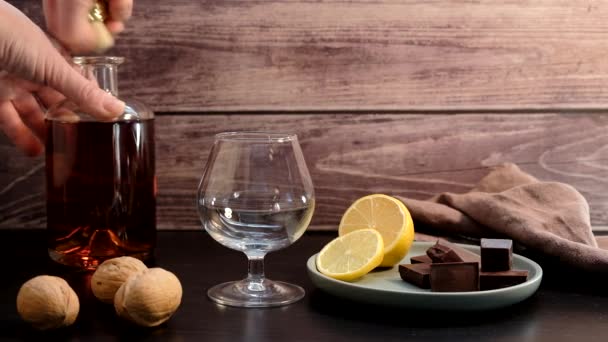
259, 294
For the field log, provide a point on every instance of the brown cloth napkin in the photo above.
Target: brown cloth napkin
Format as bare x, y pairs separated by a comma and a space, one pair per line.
547, 217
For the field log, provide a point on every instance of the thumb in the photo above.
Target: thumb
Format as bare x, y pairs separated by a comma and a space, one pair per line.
59, 75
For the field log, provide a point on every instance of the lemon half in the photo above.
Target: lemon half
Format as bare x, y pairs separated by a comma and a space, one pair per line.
387, 215
352, 255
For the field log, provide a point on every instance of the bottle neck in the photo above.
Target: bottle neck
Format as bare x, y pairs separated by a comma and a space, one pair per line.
105, 75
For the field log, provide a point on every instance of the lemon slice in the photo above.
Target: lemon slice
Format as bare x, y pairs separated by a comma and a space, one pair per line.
389, 216
351, 256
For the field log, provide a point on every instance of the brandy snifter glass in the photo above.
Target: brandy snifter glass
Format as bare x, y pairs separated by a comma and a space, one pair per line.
256, 196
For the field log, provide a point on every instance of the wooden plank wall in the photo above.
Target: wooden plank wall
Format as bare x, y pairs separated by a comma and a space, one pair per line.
403, 97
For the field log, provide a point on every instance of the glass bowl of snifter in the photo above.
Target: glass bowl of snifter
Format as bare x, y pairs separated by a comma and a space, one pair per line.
255, 196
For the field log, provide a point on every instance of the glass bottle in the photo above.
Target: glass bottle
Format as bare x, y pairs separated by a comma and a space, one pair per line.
100, 177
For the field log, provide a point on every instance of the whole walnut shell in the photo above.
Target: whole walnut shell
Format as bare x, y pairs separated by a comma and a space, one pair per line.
150, 298
47, 302
111, 274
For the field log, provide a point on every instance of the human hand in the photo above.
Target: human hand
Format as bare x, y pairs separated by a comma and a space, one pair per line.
68, 22
31, 69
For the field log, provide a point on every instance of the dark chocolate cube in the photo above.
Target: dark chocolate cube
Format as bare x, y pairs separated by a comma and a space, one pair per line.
498, 280
442, 253
465, 254
454, 277
416, 274
421, 259
496, 255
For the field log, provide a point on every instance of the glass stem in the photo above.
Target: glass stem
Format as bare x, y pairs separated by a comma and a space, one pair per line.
255, 273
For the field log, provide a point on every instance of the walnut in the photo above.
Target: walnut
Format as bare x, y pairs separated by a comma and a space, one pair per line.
149, 298
47, 302
111, 274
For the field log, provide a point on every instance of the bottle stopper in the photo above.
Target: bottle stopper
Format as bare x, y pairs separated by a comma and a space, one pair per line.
97, 16
99, 12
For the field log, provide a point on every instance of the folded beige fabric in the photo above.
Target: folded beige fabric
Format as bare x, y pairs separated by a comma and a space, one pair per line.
547, 217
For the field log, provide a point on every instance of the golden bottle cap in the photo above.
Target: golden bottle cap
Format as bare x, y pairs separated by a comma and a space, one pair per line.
99, 12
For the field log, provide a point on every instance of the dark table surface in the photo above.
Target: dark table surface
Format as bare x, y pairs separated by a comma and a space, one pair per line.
564, 309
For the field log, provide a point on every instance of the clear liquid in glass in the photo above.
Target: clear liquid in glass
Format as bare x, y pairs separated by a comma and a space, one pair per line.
254, 229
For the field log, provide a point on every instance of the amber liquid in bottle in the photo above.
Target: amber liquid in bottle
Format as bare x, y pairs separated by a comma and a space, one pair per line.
101, 190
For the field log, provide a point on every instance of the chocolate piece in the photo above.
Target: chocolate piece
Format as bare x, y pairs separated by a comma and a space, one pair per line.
454, 277
421, 259
417, 274
496, 255
465, 254
498, 280
442, 253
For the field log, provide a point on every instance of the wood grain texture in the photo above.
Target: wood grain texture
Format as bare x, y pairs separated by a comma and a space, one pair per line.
353, 155
243, 55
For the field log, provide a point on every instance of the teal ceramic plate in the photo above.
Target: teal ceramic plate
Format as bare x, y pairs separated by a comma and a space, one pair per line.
385, 287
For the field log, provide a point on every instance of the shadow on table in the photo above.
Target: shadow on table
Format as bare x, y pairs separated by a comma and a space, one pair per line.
327, 304
119, 331
559, 277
